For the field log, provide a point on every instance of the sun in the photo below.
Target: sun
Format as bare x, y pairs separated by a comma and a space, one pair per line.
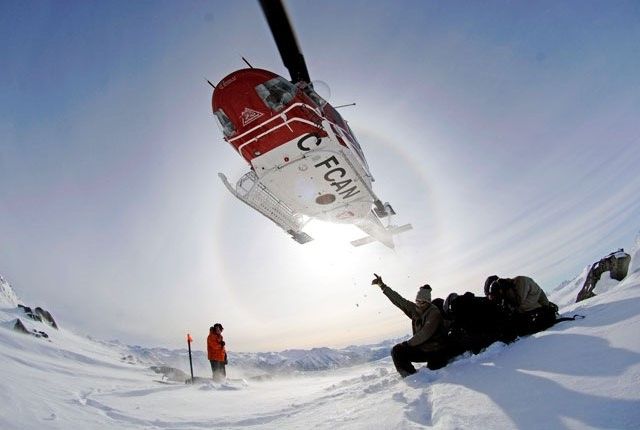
332, 235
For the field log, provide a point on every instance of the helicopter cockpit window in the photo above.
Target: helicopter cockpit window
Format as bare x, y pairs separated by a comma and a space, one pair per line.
276, 93
225, 123
314, 96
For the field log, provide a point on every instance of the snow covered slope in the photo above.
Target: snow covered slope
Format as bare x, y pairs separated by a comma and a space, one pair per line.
579, 375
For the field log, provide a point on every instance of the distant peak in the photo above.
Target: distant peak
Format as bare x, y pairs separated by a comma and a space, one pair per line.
8, 297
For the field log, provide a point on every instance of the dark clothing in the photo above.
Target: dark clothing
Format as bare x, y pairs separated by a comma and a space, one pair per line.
218, 370
476, 322
403, 354
534, 321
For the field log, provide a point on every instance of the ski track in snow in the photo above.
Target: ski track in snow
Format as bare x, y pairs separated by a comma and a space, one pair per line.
415, 405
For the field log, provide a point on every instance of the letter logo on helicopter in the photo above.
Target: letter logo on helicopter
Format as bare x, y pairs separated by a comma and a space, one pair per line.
301, 142
336, 177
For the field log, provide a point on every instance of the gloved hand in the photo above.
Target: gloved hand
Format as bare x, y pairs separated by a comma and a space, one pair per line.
222, 343
377, 281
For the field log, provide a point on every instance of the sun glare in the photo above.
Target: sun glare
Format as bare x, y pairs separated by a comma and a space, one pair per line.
332, 235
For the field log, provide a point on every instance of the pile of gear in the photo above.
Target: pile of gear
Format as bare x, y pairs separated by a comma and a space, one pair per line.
511, 307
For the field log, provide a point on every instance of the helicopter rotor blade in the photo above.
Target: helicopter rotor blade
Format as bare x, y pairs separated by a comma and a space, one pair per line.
285, 39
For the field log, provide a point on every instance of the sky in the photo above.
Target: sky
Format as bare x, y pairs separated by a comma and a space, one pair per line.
580, 374
505, 133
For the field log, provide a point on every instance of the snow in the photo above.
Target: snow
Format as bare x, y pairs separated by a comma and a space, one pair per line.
579, 374
8, 297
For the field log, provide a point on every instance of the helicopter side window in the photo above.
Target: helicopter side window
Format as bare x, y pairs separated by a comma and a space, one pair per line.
225, 123
276, 93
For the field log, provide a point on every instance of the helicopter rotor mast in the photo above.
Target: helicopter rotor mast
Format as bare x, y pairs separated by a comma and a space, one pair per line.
285, 39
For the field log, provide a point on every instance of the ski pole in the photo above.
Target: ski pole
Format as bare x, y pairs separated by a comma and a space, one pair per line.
189, 340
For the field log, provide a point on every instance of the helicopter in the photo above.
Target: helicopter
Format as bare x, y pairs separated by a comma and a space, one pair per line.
305, 161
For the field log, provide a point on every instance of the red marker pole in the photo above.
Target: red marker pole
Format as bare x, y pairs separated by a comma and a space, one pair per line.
189, 340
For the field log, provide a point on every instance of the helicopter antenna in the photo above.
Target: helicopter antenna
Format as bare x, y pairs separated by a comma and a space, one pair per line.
214, 87
341, 106
248, 64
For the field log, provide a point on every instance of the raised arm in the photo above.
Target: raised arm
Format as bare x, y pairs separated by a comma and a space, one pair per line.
406, 306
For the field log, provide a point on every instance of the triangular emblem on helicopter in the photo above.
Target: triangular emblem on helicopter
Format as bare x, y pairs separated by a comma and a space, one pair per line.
249, 115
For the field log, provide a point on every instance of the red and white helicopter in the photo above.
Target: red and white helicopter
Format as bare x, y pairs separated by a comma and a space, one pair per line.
305, 161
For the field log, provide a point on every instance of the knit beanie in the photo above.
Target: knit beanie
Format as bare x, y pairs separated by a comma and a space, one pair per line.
424, 293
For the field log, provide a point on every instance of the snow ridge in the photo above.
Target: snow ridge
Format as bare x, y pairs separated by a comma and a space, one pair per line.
261, 363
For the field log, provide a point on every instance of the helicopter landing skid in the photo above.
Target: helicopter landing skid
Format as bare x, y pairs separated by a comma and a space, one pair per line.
250, 191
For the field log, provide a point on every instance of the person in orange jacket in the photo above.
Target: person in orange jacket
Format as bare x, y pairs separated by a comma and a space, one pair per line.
216, 352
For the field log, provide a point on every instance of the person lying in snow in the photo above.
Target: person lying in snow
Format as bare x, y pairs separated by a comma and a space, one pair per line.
532, 311
428, 343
